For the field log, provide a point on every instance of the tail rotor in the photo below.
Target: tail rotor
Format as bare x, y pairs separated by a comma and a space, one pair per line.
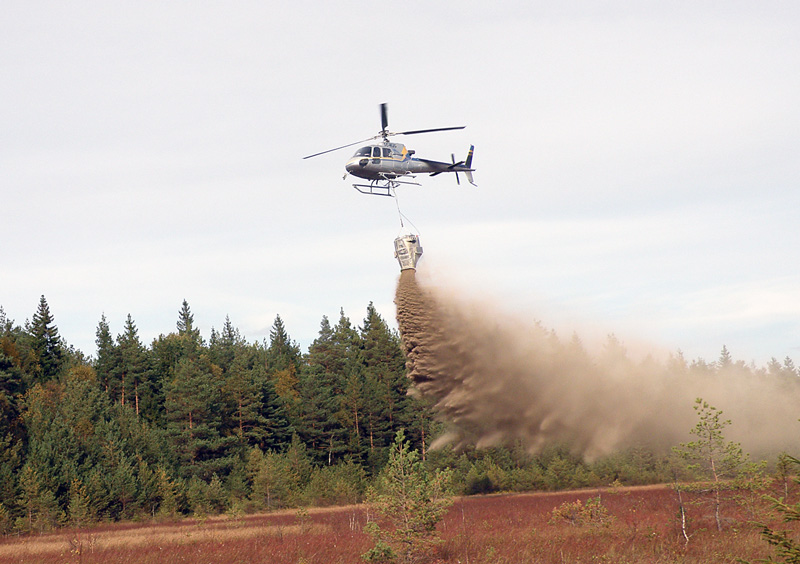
453, 157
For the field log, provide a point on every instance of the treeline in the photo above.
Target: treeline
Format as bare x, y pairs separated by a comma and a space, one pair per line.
186, 425
189, 425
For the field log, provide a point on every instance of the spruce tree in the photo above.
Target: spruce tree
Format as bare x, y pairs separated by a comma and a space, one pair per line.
187, 331
320, 389
389, 408
107, 359
46, 343
725, 359
282, 363
133, 372
223, 345
195, 413
257, 415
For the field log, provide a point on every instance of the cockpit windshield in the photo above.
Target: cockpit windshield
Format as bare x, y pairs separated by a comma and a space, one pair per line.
364, 152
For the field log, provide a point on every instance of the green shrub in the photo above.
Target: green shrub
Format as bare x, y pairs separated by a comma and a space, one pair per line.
591, 513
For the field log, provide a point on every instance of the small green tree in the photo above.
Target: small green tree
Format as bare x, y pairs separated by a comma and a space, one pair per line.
786, 548
710, 455
275, 483
79, 510
409, 501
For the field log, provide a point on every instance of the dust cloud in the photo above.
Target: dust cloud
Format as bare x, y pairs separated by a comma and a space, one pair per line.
495, 380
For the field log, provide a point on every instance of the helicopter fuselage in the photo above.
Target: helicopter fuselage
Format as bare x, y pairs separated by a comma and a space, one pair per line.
387, 161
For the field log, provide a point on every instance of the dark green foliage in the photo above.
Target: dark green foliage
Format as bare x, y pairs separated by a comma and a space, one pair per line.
133, 372
45, 343
411, 499
194, 403
787, 548
107, 360
187, 426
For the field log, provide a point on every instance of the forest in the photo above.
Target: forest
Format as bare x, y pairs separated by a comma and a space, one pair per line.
195, 426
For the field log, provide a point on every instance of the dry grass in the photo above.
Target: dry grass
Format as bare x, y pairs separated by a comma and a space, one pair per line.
490, 529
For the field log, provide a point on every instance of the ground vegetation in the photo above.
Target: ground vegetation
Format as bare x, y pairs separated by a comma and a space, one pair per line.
192, 427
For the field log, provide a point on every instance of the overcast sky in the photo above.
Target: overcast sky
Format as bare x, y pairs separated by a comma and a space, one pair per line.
637, 164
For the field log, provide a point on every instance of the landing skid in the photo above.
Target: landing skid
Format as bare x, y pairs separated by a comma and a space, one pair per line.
382, 187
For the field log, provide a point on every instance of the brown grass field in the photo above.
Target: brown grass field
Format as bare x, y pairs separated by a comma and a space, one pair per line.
510, 528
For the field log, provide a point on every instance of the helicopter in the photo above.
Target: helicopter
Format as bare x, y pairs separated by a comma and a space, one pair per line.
387, 165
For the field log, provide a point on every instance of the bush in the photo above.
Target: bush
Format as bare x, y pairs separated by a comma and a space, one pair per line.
590, 513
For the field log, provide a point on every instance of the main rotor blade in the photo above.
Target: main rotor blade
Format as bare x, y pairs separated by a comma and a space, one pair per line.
384, 117
414, 132
342, 147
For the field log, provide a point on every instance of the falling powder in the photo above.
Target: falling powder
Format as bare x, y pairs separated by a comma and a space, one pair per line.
498, 381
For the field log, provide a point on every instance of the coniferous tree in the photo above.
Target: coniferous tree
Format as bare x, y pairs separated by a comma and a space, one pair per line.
389, 407
789, 368
194, 404
412, 500
349, 385
725, 359
258, 415
321, 388
134, 372
187, 331
282, 363
107, 360
223, 346
46, 343
312, 421
283, 353
711, 454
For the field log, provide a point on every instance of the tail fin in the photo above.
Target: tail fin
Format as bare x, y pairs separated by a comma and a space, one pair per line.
468, 164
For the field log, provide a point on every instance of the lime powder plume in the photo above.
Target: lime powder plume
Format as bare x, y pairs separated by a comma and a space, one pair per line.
496, 380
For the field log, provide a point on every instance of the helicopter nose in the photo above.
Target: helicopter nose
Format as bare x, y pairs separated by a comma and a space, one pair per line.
355, 164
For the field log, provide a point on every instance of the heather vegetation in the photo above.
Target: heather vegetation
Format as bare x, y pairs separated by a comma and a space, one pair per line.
195, 427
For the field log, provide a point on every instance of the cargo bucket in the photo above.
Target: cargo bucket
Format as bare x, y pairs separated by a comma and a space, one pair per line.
407, 251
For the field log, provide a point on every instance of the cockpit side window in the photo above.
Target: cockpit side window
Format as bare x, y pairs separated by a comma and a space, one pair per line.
376, 151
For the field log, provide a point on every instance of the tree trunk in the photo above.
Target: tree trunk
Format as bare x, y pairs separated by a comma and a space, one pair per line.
716, 495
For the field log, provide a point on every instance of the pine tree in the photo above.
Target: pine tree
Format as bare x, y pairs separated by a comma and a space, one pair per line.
349, 378
331, 395
42, 512
410, 499
710, 454
194, 404
257, 416
133, 371
314, 422
786, 547
107, 360
388, 406
79, 510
